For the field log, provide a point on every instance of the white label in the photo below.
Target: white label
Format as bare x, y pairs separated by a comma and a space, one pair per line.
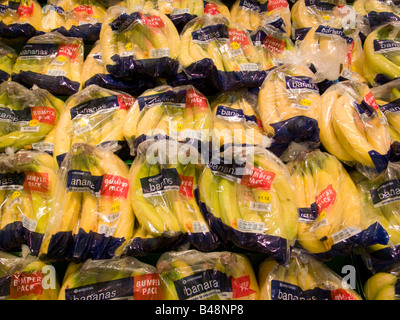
56, 73
250, 226
43, 146
300, 106
236, 52
106, 230
248, 66
28, 223
30, 129
345, 234
258, 206
111, 217
199, 227
176, 11
159, 53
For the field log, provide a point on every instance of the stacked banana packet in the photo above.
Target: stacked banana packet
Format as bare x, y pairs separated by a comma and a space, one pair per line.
199, 149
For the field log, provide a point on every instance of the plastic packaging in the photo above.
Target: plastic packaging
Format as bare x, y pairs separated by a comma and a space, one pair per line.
7, 60
247, 197
306, 278
91, 216
27, 117
74, 18
195, 275
383, 286
26, 194
94, 116
236, 120
52, 62
377, 12
164, 182
138, 41
25, 277
216, 52
179, 113
123, 278
19, 20
331, 217
288, 104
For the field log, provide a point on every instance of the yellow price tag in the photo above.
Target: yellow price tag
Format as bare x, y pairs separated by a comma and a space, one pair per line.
128, 46
325, 17
235, 45
115, 207
305, 102
15, 194
62, 58
179, 127
264, 197
322, 215
34, 123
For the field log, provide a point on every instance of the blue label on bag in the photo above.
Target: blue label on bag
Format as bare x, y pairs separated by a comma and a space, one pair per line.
166, 180
12, 180
391, 107
124, 22
84, 181
320, 5
94, 106
300, 83
328, 31
230, 169
387, 192
174, 98
38, 50
214, 32
230, 113
383, 46
253, 5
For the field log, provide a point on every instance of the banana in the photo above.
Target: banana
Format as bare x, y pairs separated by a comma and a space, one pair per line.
380, 286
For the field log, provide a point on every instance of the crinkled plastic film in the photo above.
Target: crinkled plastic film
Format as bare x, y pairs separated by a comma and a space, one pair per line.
28, 117
353, 128
123, 278
248, 199
93, 116
195, 275
52, 62
384, 285
376, 12
91, 216
7, 60
331, 216
306, 278
288, 104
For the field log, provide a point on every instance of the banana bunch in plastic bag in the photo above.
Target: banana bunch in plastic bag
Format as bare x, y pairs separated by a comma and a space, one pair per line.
7, 60
74, 18
95, 72
331, 217
195, 275
288, 104
25, 277
236, 120
247, 197
91, 215
28, 117
380, 201
353, 128
273, 45
27, 180
217, 51
179, 113
377, 12
252, 14
52, 62
93, 116
383, 285
139, 42
124, 278
305, 278
19, 20
382, 55
164, 180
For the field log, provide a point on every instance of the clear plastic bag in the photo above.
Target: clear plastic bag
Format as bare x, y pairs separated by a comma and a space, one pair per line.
195, 275
306, 278
27, 117
288, 104
124, 278
19, 20
25, 277
91, 215
353, 128
26, 194
247, 197
52, 62
331, 217
94, 116
74, 18
7, 59
376, 12
383, 286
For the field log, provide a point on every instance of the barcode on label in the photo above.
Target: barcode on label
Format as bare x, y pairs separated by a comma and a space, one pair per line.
159, 53
56, 73
250, 226
236, 52
345, 234
300, 106
248, 66
199, 227
111, 217
30, 129
176, 11
43, 146
106, 230
258, 206
57, 62
29, 224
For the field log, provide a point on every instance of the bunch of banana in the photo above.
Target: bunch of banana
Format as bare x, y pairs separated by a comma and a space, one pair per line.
52, 62
139, 33
250, 197
382, 286
27, 115
195, 275
273, 45
19, 20
75, 17
226, 44
353, 128
381, 54
123, 278
330, 209
181, 113
305, 278
288, 91
91, 206
377, 12
236, 120
7, 60
28, 278
93, 116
